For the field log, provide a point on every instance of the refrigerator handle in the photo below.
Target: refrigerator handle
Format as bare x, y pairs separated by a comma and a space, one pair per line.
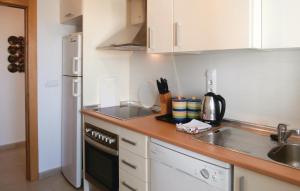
76, 68
75, 88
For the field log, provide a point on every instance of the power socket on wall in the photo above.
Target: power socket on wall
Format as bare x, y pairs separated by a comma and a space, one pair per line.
211, 80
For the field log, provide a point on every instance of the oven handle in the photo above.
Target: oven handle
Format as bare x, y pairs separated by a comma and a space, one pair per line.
101, 147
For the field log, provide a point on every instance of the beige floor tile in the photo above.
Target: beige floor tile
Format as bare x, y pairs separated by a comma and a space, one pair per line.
12, 175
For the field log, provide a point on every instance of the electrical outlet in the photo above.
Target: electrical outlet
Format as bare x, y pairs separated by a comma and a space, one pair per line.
211, 81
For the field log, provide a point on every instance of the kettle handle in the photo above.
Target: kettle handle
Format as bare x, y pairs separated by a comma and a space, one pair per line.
223, 105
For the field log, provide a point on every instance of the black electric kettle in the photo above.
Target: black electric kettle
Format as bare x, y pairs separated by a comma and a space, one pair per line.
213, 109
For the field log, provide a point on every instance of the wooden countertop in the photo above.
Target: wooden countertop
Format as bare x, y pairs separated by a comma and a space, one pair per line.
167, 132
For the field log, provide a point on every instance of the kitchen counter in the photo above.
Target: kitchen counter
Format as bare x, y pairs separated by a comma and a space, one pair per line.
167, 132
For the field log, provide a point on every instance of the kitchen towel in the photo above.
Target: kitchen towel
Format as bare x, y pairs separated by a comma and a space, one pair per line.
193, 127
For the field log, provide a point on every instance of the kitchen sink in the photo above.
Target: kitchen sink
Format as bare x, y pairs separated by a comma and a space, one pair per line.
288, 154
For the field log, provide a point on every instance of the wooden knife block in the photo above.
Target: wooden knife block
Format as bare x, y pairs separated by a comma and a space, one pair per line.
165, 103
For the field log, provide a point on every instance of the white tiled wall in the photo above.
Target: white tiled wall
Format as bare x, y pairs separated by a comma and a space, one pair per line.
147, 68
259, 86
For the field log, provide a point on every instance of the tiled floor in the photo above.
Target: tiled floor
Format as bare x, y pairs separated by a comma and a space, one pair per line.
12, 175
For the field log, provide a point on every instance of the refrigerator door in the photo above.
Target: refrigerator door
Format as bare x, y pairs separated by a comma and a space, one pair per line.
72, 51
71, 130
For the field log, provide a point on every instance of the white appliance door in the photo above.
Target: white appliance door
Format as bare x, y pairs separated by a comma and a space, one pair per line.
165, 178
71, 130
172, 170
72, 51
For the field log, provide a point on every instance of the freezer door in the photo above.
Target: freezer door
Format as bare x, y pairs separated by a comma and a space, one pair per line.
72, 51
71, 130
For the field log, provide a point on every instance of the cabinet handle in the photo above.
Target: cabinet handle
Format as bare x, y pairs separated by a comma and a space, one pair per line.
128, 164
149, 38
128, 141
129, 187
68, 15
76, 61
241, 185
176, 34
75, 91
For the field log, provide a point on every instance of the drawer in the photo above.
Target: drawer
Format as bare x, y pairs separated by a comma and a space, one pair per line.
134, 142
129, 183
134, 164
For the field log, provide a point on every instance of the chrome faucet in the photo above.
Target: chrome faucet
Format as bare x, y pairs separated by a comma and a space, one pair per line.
284, 134
281, 132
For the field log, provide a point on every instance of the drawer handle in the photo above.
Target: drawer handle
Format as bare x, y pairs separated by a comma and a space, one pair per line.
241, 183
128, 164
129, 142
149, 37
129, 187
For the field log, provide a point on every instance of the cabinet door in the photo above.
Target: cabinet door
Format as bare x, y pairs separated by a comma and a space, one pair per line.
64, 10
212, 25
160, 26
245, 180
70, 9
280, 21
76, 7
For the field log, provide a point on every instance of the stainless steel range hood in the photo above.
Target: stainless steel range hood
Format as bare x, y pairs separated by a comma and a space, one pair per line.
134, 36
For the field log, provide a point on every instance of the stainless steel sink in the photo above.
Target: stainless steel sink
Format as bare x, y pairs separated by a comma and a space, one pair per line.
288, 154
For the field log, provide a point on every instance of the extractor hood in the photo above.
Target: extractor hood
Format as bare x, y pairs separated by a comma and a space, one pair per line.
134, 36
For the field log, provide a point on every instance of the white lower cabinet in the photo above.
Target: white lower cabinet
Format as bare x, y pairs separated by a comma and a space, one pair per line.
245, 180
133, 161
133, 142
128, 182
134, 165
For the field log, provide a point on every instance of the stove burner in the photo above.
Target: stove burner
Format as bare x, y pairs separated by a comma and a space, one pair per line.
125, 112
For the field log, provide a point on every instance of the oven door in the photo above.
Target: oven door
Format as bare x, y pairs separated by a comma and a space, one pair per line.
101, 166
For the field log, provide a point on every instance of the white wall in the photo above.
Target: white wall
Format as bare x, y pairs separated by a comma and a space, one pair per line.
102, 19
147, 68
12, 94
50, 33
259, 86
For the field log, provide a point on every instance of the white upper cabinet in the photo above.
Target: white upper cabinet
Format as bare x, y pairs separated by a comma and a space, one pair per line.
160, 26
70, 10
211, 25
280, 24
200, 25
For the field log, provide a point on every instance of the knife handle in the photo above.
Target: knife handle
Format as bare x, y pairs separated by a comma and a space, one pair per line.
159, 87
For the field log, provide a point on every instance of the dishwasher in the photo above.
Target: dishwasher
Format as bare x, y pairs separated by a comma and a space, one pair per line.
177, 169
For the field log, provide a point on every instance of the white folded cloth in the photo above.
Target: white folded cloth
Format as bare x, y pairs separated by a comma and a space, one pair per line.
193, 127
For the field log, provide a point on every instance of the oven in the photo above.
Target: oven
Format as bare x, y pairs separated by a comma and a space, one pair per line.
101, 158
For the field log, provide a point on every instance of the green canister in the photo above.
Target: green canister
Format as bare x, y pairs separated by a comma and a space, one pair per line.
193, 108
179, 103
179, 107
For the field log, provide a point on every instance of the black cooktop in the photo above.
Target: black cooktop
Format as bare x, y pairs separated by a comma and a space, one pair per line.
125, 112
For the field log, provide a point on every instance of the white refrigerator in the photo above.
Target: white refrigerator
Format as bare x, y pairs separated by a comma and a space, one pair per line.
71, 105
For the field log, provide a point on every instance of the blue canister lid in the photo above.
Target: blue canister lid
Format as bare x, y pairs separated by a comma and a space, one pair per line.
194, 99
179, 99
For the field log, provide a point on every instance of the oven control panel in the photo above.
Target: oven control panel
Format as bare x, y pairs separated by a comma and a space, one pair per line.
101, 136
